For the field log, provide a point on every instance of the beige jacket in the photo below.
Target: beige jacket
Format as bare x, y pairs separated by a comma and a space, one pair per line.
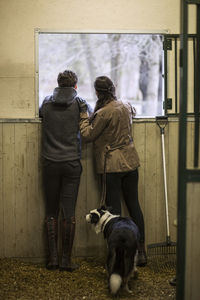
111, 134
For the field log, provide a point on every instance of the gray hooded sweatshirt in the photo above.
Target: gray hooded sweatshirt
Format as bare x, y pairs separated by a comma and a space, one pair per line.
60, 125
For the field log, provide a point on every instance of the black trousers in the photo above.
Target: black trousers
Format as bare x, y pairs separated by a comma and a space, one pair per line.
125, 183
61, 183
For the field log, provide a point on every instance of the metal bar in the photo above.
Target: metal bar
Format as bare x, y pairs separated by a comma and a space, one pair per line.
165, 181
165, 74
190, 35
99, 31
193, 175
37, 73
176, 71
162, 132
197, 92
177, 114
181, 237
193, 1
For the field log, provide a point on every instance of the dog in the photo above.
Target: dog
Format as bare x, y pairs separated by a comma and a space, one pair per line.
122, 237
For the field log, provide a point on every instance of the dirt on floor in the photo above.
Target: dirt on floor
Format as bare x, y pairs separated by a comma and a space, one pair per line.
23, 281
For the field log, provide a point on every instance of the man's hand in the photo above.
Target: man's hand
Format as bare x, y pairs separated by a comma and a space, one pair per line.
82, 105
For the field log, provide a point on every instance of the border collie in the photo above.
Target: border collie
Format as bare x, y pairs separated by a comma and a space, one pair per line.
122, 237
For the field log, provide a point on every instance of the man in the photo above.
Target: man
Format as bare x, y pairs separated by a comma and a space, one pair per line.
61, 165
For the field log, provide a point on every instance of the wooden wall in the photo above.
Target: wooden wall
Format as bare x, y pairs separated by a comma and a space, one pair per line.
21, 199
22, 204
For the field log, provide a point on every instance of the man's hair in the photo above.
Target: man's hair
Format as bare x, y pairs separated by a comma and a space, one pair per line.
67, 79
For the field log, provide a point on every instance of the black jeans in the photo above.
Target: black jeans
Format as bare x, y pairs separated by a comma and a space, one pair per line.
61, 182
127, 183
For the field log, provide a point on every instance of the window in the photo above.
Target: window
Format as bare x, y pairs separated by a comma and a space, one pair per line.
133, 61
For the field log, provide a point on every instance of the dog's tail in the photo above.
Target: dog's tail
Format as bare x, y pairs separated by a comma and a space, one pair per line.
115, 283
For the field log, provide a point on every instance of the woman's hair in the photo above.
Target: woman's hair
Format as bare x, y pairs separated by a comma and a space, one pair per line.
67, 79
105, 91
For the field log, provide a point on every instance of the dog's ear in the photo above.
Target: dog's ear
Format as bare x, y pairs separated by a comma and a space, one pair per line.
103, 207
110, 209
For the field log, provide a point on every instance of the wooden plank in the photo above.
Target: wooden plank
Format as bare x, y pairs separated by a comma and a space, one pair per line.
33, 200
20, 190
190, 92
1, 194
80, 233
190, 145
172, 177
94, 191
193, 242
139, 138
139, 141
9, 217
150, 183
41, 203
89, 197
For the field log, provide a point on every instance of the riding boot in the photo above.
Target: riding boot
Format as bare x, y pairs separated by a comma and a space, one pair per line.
68, 232
52, 234
142, 257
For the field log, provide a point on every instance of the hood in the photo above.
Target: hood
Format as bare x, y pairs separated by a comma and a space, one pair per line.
64, 95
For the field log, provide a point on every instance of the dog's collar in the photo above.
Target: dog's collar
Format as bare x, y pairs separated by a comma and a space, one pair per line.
107, 220
103, 221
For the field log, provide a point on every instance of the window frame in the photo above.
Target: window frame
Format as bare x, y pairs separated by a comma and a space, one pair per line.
39, 31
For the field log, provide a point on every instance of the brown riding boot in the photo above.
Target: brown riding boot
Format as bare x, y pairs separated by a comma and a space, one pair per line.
68, 232
52, 234
142, 257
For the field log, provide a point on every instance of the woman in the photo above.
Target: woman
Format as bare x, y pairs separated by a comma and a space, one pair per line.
110, 130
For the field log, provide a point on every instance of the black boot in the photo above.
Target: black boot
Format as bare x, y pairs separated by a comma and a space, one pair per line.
68, 231
52, 234
142, 257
